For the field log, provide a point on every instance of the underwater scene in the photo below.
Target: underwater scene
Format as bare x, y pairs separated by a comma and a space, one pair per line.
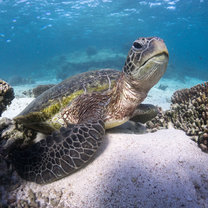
133, 134
54, 39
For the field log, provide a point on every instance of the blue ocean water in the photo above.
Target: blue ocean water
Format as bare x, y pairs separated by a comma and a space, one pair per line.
48, 38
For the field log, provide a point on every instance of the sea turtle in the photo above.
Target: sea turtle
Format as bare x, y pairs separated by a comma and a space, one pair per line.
75, 113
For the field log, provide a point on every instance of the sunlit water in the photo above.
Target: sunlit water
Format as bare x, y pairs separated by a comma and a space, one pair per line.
52, 39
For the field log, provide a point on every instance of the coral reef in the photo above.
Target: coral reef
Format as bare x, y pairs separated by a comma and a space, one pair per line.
90, 51
6, 95
189, 112
67, 68
18, 80
9, 181
11, 137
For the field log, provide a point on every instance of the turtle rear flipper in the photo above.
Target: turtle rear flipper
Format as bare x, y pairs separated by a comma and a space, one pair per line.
59, 154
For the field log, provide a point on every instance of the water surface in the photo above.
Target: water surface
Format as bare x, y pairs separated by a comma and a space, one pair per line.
46, 39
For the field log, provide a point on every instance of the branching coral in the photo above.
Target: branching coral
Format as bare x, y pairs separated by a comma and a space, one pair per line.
189, 112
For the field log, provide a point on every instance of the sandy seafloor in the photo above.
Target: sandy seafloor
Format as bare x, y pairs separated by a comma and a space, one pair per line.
161, 169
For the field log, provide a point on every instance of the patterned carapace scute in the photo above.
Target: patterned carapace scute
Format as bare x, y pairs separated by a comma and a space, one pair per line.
189, 112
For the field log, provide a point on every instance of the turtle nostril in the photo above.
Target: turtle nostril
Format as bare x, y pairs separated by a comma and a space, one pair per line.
137, 45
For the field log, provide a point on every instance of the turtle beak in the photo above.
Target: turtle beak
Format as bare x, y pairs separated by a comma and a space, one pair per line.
156, 47
160, 47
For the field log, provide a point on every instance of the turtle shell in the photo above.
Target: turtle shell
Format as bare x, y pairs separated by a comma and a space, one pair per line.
44, 113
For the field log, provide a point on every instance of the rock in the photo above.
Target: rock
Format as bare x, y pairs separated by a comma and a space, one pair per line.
9, 135
6, 95
13, 135
5, 122
28, 93
9, 181
35, 92
40, 89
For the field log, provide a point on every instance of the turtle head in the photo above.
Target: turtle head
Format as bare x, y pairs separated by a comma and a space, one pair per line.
146, 61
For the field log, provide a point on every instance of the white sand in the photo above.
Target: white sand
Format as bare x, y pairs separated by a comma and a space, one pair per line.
17, 105
162, 169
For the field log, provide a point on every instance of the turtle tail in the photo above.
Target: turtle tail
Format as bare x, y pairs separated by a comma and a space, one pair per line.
60, 153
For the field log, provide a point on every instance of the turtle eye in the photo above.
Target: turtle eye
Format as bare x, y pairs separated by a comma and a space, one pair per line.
137, 45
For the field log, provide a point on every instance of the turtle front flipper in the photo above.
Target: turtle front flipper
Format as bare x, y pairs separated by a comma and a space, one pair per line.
144, 113
59, 154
